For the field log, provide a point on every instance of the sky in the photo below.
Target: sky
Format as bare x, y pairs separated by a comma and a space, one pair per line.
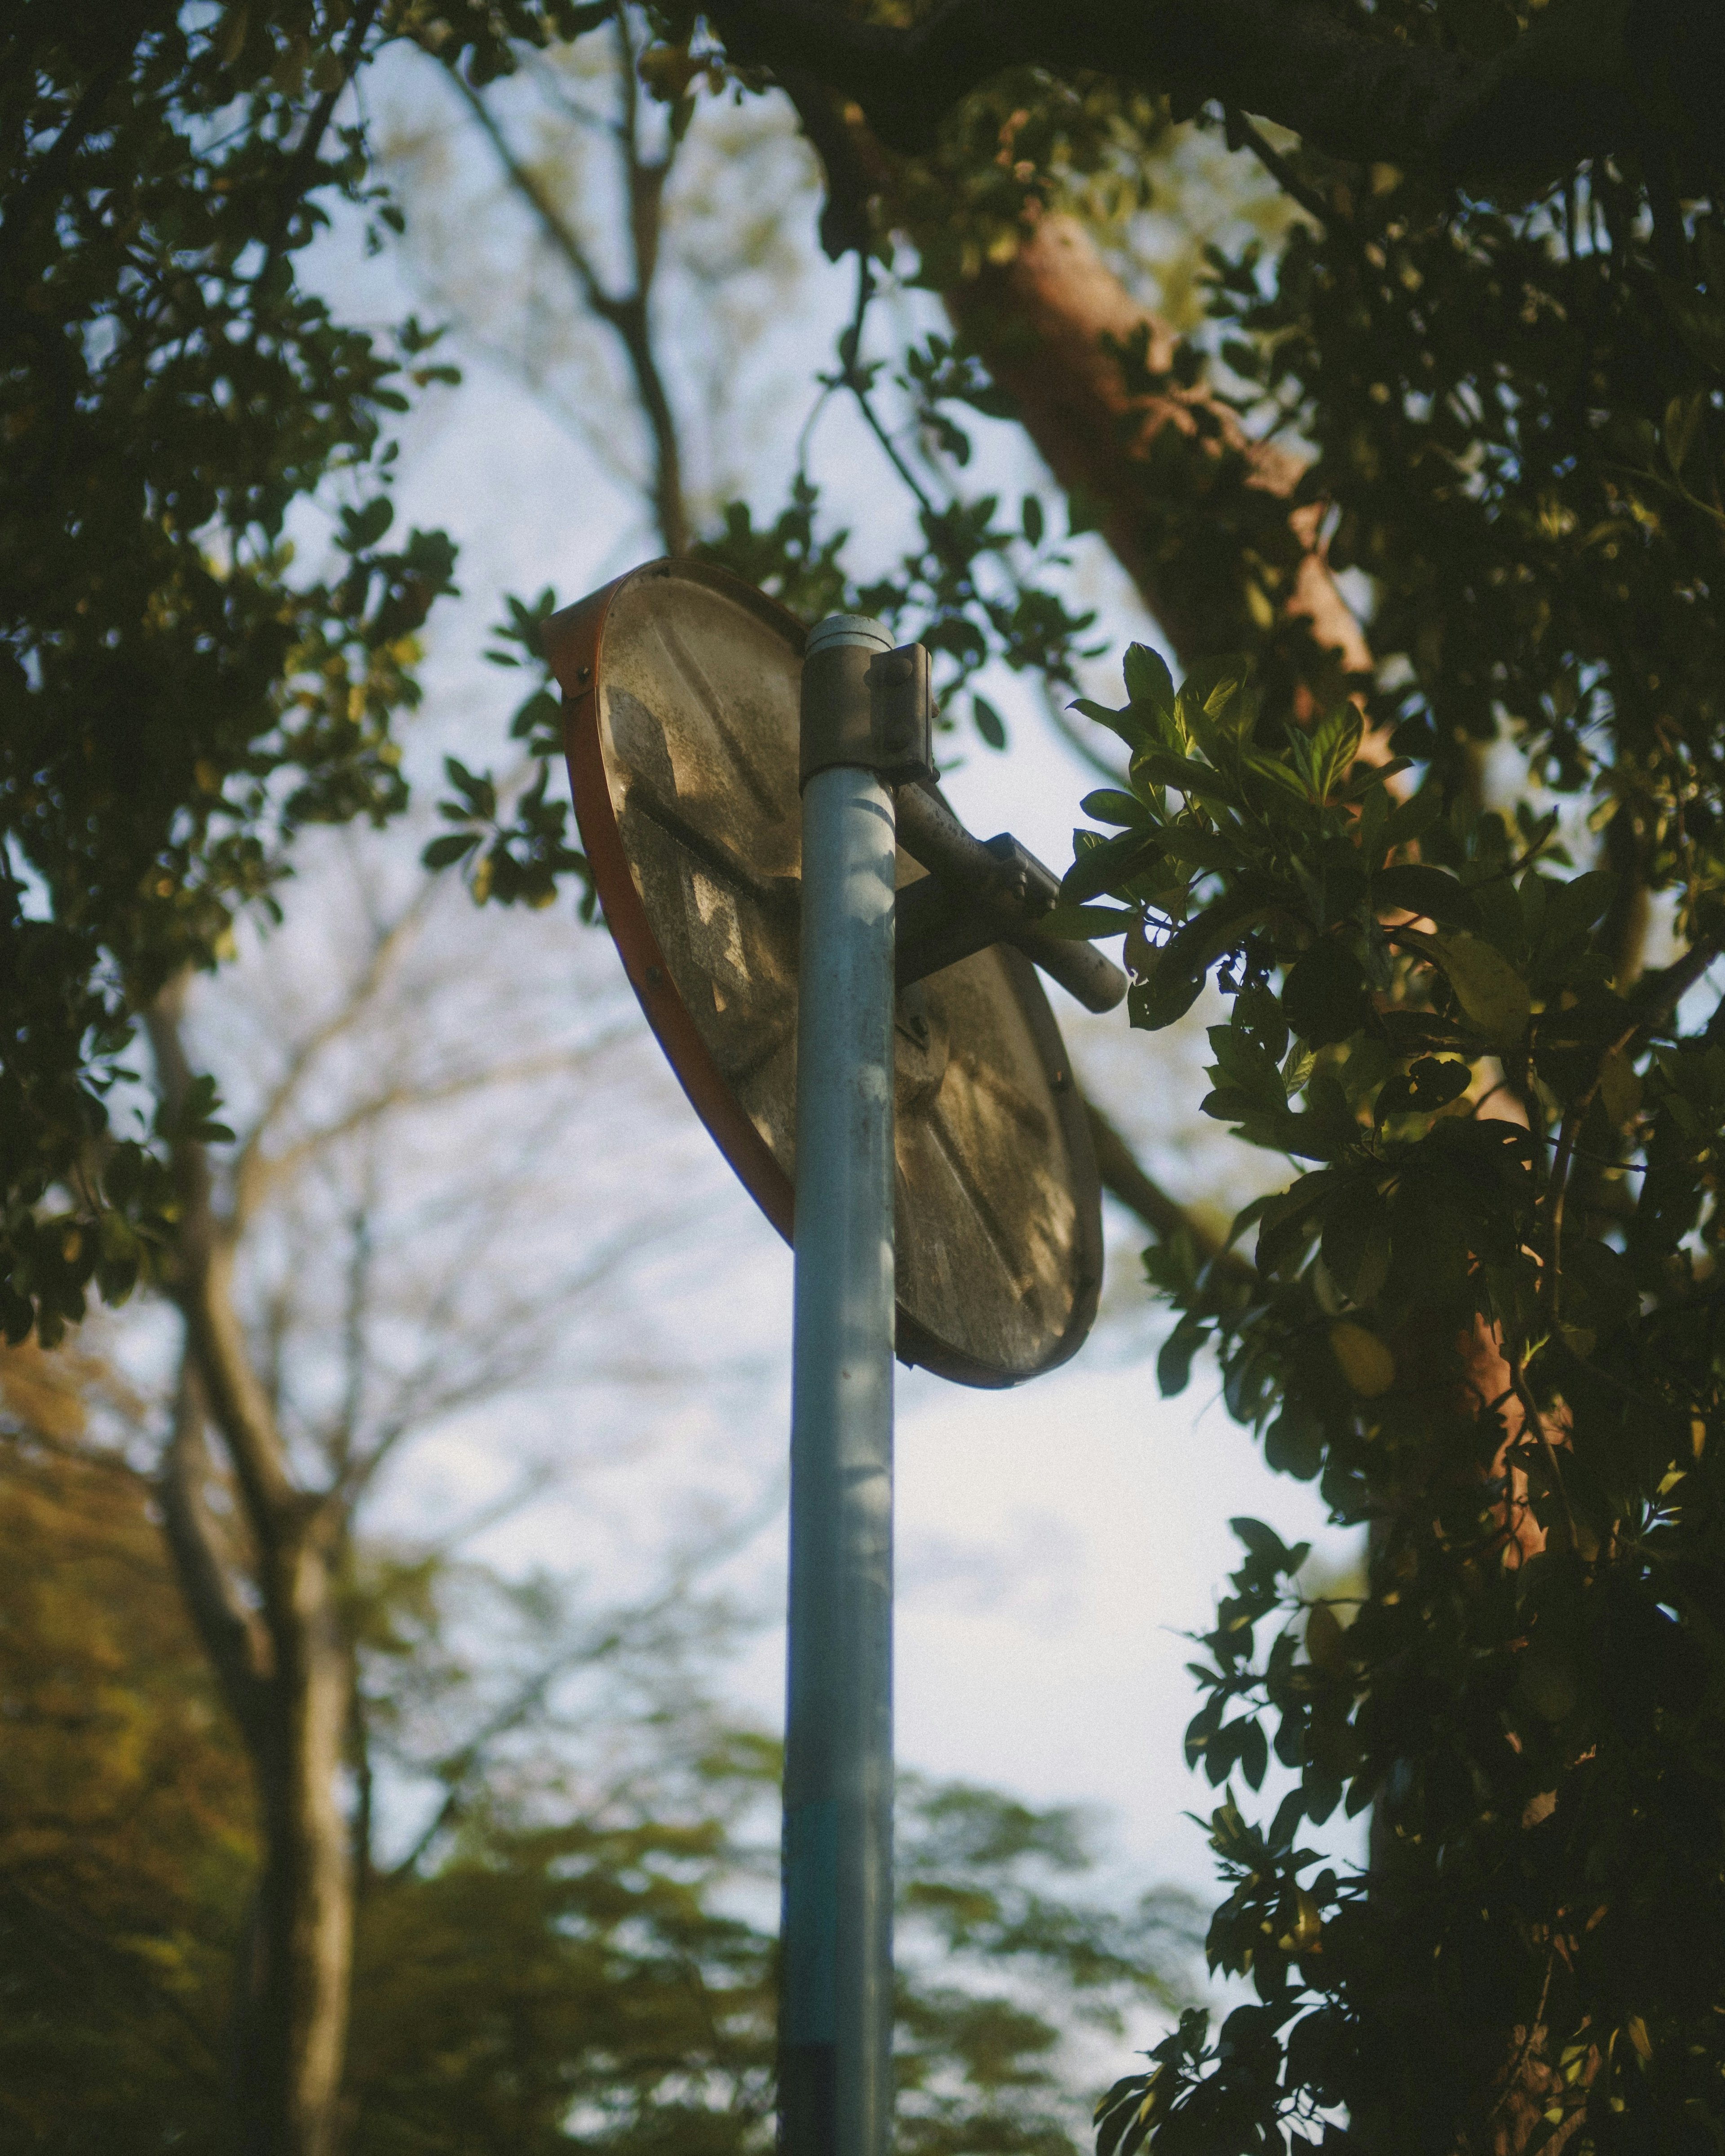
1056, 1543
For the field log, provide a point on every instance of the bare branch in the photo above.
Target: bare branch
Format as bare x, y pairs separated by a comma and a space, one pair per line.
628, 313
433, 1392
203, 1287
1164, 1216
268, 1172
459, 1769
387, 947
232, 1639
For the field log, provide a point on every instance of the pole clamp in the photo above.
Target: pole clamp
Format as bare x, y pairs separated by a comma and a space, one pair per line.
865, 705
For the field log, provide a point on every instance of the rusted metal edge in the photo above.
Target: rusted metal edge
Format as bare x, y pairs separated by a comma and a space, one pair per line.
572, 642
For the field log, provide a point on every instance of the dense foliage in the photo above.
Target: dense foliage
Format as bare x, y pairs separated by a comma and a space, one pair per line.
1513, 1390
1482, 1314
1485, 1311
177, 697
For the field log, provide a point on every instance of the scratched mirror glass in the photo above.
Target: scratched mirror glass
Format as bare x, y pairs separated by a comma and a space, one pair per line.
698, 703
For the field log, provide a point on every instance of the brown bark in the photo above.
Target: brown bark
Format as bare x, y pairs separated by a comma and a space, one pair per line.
284, 1666
1051, 325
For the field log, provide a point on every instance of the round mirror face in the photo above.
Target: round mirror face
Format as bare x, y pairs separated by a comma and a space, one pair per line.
681, 689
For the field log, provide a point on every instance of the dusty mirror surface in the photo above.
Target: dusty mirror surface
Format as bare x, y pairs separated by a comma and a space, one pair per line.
694, 701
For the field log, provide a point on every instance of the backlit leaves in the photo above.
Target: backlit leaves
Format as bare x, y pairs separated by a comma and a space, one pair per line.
1495, 1224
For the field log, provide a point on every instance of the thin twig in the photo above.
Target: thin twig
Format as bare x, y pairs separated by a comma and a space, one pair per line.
849, 345
1242, 133
1531, 1415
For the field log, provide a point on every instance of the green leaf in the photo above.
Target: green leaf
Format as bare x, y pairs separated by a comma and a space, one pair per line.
1263, 1541
1162, 998
1369, 781
1081, 923
1488, 988
1109, 805
1199, 850
1682, 423
1334, 745
1432, 1083
1147, 679
1211, 686
1432, 894
451, 847
1409, 820
1325, 995
476, 789
1366, 1360
989, 724
1573, 908
1174, 1363
1033, 520
1294, 1445
1101, 867
364, 526
1280, 774
1186, 775
1285, 1225
540, 709
1233, 1104
1127, 724
1243, 1060
1356, 1241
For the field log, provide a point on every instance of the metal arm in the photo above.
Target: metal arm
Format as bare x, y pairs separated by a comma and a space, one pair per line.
983, 891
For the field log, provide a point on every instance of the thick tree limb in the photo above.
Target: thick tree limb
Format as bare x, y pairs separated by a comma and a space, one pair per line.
1050, 326
203, 1274
291, 2019
1563, 92
845, 214
1165, 1217
232, 1637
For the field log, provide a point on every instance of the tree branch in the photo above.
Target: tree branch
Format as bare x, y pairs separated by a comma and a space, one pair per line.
232, 1637
1552, 98
458, 1769
386, 949
266, 1173
203, 1265
845, 214
1165, 1217
628, 314
1054, 325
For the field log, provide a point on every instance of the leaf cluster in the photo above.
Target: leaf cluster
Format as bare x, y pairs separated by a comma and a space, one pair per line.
178, 698
973, 589
1484, 1315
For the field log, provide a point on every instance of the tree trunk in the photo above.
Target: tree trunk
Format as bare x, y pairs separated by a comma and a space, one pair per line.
266, 1604
1054, 327
290, 2022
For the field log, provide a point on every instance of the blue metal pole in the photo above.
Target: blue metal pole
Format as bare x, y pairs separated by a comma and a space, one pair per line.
835, 2031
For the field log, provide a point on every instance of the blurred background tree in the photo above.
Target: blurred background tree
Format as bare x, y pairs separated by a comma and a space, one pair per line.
578, 1953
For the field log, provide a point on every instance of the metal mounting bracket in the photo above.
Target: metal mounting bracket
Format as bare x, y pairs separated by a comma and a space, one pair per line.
980, 892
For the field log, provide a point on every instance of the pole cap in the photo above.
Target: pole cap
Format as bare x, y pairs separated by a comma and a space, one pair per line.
859, 630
